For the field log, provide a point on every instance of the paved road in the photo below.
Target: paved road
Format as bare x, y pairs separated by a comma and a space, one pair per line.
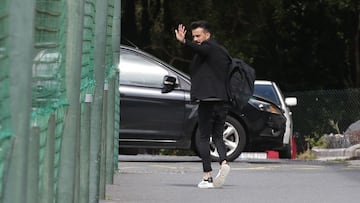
173, 179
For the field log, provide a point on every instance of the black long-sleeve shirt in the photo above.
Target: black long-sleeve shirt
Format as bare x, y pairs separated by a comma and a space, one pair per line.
208, 70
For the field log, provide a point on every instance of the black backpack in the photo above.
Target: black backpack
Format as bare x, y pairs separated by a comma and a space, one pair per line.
239, 83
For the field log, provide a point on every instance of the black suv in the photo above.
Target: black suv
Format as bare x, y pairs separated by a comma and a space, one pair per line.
156, 112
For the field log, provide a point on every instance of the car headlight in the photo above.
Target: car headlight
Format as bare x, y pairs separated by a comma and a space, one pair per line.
265, 106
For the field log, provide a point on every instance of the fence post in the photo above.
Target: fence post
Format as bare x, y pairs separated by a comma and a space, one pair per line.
110, 113
85, 150
20, 45
69, 145
77, 157
47, 182
102, 184
96, 121
32, 194
116, 37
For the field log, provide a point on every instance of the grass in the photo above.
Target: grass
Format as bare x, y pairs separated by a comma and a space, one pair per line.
307, 155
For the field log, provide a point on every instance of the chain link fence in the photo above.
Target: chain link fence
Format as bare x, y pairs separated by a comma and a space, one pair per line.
58, 99
323, 112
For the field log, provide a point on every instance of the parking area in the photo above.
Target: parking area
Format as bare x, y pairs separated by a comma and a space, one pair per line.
148, 178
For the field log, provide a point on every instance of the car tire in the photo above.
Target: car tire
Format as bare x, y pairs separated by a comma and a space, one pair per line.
290, 150
234, 138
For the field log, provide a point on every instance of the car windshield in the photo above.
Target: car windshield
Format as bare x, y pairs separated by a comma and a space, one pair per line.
268, 92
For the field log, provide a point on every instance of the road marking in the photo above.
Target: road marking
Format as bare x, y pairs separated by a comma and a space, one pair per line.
165, 166
276, 168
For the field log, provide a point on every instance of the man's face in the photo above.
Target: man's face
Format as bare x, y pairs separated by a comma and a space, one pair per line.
199, 35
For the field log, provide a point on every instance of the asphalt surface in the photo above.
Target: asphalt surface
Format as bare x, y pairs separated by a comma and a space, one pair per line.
146, 178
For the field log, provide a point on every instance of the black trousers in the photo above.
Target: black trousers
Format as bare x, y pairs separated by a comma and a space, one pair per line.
212, 116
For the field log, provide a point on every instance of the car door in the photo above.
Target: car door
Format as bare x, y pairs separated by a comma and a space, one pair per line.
148, 116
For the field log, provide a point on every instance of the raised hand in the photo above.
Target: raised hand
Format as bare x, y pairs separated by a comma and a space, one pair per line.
180, 33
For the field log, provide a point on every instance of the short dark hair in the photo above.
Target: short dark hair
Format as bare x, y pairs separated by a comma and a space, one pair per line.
201, 24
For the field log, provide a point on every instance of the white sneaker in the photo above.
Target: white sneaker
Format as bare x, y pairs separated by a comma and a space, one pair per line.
221, 176
206, 183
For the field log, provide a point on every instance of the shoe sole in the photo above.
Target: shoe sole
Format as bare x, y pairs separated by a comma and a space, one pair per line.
220, 179
206, 187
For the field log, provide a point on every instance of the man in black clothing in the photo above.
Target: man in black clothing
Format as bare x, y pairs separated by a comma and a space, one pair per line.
208, 72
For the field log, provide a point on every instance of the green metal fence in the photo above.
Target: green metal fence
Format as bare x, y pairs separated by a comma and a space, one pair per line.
59, 112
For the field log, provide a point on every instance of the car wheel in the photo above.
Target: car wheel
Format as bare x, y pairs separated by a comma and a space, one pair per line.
234, 137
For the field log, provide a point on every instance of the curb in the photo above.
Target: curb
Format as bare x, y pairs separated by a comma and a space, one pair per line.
352, 152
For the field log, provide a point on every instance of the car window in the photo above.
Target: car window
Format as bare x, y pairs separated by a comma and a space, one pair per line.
138, 70
268, 92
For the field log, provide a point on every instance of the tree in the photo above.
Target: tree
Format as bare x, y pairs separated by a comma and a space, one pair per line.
129, 29
301, 44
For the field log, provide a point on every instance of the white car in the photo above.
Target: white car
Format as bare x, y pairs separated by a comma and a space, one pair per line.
269, 90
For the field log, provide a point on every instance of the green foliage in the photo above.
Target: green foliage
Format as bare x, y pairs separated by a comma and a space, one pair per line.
334, 125
307, 44
316, 140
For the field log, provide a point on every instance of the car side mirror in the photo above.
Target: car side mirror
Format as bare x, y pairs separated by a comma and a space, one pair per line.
291, 101
169, 84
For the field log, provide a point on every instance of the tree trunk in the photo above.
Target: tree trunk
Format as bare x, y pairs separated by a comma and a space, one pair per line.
357, 53
128, 21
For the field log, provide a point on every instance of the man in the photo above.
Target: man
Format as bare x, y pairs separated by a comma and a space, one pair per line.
208, 72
